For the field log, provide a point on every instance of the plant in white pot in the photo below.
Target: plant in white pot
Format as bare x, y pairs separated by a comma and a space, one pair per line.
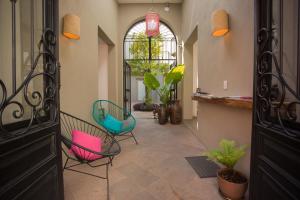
232, 183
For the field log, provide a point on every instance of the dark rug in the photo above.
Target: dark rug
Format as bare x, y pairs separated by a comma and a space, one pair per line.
144, 107
203, 167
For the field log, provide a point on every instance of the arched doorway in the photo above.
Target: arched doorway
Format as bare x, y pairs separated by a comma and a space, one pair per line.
142, 54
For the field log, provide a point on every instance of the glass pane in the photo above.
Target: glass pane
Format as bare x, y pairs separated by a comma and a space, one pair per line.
290, 45
290, 56
5, 48
285, 34
164, 46
28, 27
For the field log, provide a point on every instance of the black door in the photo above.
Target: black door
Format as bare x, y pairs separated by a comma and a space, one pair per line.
30, 156
127, 87
275, 166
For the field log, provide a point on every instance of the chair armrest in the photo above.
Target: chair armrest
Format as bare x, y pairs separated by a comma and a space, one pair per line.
109, 150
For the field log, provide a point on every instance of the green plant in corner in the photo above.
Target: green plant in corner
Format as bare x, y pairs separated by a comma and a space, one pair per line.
228, 154
232, 183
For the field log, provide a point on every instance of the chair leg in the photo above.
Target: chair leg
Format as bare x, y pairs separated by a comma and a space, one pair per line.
136, 142
65, 164
107, 181
110, 160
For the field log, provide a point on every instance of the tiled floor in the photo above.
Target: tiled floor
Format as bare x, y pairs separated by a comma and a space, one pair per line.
155, 169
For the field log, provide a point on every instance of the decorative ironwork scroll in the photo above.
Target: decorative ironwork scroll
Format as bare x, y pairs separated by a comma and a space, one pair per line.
265, 73
40, 104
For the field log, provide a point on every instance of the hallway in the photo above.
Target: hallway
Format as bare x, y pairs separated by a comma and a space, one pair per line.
155, 169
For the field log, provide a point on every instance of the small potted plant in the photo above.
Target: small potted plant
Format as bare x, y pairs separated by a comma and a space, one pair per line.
232, 183
174, 76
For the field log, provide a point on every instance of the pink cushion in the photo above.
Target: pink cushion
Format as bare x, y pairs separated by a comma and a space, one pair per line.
88, 141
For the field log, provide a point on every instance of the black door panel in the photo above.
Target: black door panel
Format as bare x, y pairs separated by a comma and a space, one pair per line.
40, 188
275, 153
278, 151
27, 157
127, 88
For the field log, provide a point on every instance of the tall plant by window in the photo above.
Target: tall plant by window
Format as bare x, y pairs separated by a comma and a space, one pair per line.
140, 63
174, 76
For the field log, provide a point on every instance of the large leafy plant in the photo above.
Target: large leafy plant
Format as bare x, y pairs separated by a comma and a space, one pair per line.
174, 76
140, 63
228, 154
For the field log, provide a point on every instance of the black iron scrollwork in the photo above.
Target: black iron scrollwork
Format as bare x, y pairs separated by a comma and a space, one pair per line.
40, 103
265, 73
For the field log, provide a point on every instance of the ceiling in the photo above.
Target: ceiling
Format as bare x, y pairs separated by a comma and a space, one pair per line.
148, 1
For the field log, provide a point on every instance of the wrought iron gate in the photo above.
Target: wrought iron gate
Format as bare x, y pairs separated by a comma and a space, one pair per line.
30, 152
127, 87
275, 158
168, 55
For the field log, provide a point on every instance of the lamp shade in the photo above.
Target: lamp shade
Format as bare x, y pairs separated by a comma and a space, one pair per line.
71, 26
152, 24
220, 23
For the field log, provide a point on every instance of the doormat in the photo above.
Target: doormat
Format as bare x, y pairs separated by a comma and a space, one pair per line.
203, 167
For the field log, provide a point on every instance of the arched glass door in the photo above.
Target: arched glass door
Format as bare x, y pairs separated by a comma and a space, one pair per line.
142, 54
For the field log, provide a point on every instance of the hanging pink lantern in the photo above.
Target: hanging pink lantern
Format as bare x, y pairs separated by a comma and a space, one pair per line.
152, 24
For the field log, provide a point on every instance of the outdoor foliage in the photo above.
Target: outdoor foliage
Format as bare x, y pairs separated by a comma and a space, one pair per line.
139, 51
228, 154
174, 76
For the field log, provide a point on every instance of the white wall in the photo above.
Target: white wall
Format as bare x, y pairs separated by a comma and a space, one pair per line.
79, 59
195, 76
226, 58
103, 70
190, 54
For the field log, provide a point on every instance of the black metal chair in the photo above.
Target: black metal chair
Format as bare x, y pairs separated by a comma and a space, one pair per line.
110, 147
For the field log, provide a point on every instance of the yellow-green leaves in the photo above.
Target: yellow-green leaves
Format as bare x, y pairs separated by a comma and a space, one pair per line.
175, 75
228, 154
172, 77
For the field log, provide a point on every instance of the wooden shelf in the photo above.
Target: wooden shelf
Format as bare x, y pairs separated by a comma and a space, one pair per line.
232, 102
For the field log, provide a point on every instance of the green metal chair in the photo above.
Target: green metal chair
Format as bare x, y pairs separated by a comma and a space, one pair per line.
115, 119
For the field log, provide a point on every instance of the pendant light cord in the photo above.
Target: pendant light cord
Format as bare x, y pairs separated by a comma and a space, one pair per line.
152, 6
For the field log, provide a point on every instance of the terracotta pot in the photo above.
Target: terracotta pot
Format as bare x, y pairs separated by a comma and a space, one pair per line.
175, 113
163, 114
233, 191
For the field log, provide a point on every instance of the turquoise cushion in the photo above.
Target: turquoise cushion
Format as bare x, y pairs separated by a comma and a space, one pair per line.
112, 124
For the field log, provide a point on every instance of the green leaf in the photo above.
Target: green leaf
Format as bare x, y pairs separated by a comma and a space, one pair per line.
164, 94
228, 154
150, 81
175, 75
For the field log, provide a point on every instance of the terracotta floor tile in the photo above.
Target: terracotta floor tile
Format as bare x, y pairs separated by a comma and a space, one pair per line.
155, 169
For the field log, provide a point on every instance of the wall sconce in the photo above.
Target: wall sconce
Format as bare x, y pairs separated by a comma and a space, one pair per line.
220, 23
71, 26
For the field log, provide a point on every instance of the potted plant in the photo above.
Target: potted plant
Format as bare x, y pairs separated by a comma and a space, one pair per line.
174, 76
232, 183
